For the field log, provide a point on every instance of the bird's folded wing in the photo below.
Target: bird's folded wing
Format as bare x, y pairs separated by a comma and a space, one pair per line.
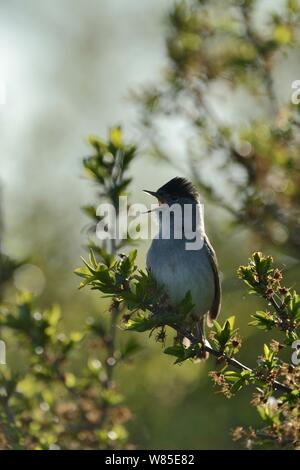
215, 307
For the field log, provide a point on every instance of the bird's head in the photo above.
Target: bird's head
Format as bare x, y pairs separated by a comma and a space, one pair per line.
177, 190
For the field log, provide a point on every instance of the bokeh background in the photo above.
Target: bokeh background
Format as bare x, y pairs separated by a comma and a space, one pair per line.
69, 68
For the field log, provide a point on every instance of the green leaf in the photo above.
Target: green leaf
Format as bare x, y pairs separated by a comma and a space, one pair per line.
266, 351
140, 324
261, 412
232, 376
224, 336
177, 351
263, 320
231, 321
218, 327
182, 353
126, 265
237, 386
83, 272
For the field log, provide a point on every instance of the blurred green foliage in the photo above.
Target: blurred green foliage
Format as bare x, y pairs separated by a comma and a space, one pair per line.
212, 49
59, 399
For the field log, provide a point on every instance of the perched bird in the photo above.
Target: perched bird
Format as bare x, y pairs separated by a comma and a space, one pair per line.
178, 268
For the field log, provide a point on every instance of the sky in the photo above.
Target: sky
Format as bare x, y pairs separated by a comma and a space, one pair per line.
67, 67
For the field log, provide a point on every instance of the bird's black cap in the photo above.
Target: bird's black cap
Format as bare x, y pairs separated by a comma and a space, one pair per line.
179, 187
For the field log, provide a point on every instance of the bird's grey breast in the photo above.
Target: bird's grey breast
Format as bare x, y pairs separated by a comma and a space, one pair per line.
181, 270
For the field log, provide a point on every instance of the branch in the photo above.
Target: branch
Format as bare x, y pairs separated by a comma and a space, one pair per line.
230, 360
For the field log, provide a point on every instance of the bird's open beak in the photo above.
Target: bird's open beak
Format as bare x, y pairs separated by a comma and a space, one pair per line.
152, 193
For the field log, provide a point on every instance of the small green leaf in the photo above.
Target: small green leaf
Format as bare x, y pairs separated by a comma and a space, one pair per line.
140, 324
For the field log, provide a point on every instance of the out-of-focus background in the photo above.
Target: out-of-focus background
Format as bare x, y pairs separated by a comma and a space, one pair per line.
68, 68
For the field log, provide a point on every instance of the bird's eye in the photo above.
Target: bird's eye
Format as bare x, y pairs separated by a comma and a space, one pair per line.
161, 200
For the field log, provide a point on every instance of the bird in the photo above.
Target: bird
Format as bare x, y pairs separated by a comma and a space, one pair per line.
178, 269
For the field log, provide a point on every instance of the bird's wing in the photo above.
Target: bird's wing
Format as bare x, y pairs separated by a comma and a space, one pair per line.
215, 307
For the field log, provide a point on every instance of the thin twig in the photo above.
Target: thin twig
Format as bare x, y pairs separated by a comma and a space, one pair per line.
230, 360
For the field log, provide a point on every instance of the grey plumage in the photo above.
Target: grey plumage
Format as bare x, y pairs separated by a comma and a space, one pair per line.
181, 270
